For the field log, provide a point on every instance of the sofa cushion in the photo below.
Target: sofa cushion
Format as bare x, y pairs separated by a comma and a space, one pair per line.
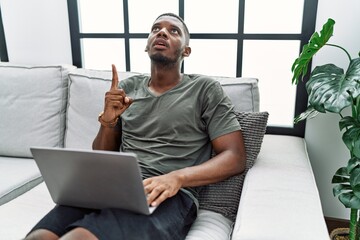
33, 102
210, 225
20, 215
280, 199
18, 175
223, 197
243, 92
86, 100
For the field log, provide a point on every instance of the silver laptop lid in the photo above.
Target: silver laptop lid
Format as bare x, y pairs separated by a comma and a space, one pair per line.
92, 178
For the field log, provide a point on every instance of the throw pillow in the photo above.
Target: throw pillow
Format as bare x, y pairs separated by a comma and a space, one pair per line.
223, 197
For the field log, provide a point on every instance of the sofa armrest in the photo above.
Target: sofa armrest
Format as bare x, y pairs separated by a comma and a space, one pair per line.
280, 199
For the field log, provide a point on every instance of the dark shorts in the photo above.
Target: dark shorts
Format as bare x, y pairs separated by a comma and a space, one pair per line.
171, 220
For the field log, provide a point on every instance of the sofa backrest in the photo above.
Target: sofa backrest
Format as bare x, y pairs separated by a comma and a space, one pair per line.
243, 92
86, 100
32, 107
58, 105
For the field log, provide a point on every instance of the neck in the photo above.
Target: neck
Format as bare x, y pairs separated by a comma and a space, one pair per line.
163, 78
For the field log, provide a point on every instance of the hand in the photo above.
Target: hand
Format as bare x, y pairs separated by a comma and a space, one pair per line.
160, 188
116, 101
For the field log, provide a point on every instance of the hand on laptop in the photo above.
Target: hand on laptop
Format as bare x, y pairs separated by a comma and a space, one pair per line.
161, 187
116, 101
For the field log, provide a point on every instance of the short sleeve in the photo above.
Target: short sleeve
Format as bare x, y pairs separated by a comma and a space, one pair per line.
218, 111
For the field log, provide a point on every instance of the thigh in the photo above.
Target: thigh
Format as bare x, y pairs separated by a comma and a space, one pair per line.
60, 217
171, 220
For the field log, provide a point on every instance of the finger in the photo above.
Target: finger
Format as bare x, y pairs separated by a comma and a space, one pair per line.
154, 194
114, 101
114, 96
116, 92
127, 100
147, 185
117, 105
115, 79
162, 197
146, 181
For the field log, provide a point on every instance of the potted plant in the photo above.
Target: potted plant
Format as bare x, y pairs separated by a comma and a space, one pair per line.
330, 90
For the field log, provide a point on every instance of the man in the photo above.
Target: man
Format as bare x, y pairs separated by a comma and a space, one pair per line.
172, 122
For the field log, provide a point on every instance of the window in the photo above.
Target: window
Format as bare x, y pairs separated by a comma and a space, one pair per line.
256, 38
3, 50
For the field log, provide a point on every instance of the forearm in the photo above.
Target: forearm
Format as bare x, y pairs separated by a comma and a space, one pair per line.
220, 167
229, 160
108, 139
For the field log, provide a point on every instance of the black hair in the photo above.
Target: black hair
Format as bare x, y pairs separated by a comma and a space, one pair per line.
187, 33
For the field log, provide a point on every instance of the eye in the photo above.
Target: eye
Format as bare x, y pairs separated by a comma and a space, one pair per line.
155, 29
175, 31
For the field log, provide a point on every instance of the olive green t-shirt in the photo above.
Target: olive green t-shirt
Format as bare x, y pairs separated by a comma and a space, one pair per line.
174, 130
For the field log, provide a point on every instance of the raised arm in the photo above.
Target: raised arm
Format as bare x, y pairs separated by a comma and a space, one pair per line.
116, 102
229, 160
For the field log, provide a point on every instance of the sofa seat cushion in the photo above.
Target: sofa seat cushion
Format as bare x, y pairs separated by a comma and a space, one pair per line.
33, 103
21, 214
18, 175
280, 182
210, 225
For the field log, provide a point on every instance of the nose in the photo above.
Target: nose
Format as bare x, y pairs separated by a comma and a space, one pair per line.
163, 32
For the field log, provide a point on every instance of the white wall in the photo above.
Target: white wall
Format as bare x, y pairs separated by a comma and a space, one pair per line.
37, 32
326, 149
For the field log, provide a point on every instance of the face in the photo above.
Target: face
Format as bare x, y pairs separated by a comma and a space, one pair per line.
167, 41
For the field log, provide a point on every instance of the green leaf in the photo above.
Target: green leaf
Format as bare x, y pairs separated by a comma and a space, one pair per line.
352, 164
356, 190
329, 87
347, 187
351, 138
349, 200
341, 176
309, 113
346, 122
355, 178
339, 179
341, 188
342, 172
356, 115
356, 150
317, 41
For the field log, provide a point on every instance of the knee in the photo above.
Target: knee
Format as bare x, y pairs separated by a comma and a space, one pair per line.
42, 234
79, 234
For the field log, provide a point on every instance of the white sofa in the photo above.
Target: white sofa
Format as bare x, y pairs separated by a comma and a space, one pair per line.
57, 106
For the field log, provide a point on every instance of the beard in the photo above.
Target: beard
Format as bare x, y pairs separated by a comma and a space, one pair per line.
165, 61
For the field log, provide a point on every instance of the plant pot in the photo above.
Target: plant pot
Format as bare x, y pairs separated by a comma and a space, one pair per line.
340, 234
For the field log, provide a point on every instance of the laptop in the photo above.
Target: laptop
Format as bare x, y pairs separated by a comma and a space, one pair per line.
92, 179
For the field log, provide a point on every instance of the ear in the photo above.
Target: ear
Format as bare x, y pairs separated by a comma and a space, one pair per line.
187, 51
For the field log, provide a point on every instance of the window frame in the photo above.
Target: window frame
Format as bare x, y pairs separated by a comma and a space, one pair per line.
3, 49
308, 27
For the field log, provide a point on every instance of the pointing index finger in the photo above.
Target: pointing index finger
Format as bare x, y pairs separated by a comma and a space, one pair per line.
115, 79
